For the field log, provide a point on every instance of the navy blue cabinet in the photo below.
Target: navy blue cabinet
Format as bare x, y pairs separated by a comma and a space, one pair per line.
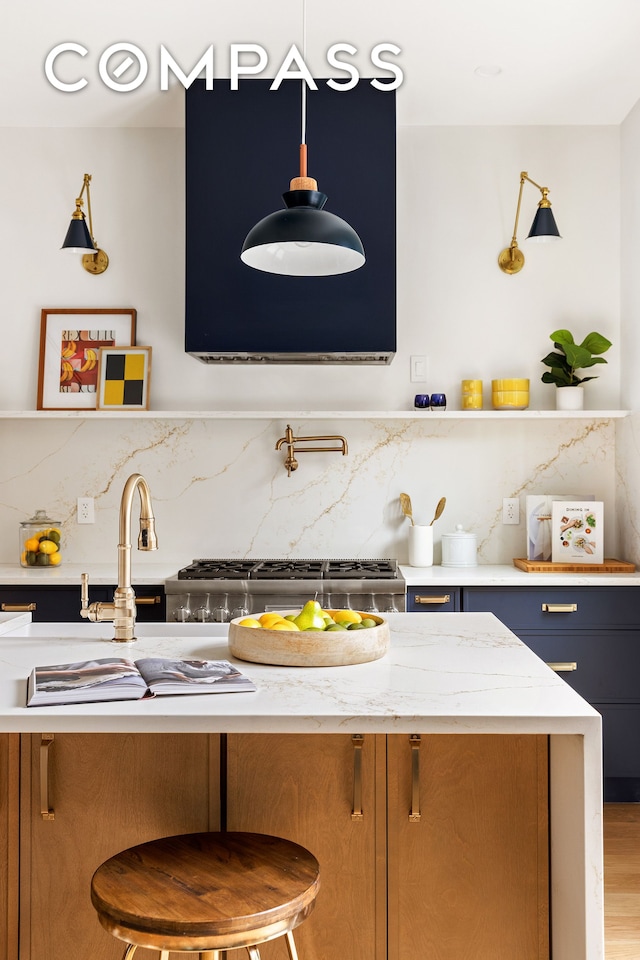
61, 604
425, 599
592, 636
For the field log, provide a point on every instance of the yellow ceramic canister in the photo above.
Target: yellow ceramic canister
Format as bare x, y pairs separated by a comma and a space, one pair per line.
471, 394
510, 394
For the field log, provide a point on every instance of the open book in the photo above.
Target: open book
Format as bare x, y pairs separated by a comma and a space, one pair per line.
116, 678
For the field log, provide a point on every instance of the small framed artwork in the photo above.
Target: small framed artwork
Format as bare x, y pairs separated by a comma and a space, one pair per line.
124, 375
69, 343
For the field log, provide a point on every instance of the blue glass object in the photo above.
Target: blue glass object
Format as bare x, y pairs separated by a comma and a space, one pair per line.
438, 401
421, 401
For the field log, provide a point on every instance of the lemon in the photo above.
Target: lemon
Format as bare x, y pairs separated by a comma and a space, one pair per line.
31, 545
48, 546
249, 622
55, 559
268, 619
285, 625
346, 616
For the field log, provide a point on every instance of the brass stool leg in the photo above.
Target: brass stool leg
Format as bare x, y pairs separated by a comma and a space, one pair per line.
254, 953
210, 954
291, 945
164, 955
129, 952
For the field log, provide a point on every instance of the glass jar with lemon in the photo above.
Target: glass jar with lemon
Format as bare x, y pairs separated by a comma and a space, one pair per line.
39, 541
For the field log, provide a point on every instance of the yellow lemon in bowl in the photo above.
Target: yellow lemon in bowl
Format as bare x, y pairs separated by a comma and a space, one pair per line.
250, 622
346, 616
285, 625
268, 619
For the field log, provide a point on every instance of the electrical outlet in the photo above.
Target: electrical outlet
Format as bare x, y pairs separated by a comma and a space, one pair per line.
86, 511
511, 510
419, 370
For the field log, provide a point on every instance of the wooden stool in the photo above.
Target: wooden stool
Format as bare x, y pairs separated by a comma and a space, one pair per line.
206, 892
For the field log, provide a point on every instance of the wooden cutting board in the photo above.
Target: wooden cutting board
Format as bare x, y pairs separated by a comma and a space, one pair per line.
547, 566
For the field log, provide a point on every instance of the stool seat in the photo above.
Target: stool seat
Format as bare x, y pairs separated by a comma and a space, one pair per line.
205, 891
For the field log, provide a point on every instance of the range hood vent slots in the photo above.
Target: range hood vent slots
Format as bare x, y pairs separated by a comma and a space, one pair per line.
241, 150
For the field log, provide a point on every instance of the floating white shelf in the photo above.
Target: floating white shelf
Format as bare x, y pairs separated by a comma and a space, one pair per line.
427, 415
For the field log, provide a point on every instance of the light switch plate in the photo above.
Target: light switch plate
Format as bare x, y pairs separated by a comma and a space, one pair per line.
419, 369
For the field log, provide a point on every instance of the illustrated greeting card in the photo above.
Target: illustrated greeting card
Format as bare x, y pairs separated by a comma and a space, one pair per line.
577, 531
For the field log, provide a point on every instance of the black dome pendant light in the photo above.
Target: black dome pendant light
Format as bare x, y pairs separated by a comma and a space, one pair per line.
303, 240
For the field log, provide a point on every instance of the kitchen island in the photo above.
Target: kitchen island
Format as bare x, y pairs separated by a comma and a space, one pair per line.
463, 674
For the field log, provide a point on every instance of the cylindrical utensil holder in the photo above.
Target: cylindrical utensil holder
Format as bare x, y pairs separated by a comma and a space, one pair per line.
420, 546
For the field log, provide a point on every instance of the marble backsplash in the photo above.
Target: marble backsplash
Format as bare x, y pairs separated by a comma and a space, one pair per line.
220, 489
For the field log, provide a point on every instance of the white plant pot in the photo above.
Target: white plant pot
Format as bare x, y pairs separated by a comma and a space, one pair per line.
569, 398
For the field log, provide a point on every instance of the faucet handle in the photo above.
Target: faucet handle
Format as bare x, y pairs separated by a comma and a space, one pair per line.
84, 590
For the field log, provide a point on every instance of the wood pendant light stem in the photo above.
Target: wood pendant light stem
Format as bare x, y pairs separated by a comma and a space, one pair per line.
303, 182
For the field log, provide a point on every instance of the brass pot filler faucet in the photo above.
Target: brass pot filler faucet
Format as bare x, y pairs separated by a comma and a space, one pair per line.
291, 463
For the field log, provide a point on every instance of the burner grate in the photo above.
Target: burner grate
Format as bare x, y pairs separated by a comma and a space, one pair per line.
217, 569
289, 570
211, 569
360, 569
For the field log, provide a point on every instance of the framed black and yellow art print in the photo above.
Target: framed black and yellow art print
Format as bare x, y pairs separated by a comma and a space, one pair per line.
124, 375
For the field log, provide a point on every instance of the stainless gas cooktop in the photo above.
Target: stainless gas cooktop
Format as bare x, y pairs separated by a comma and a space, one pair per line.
235, 587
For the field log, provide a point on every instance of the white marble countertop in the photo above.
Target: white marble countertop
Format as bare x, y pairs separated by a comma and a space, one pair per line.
507, 575
449, 672
68, 574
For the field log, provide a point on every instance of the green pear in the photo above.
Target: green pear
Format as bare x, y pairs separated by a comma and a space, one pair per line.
310, 617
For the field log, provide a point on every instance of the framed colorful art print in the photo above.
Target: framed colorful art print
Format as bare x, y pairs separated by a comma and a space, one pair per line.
124, 375
69, 343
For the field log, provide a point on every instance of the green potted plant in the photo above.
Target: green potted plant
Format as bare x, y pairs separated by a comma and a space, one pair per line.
566, 359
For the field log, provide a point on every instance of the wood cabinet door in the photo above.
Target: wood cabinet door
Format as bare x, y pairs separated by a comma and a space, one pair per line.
9, 834
107, 792
302, 787
468, 874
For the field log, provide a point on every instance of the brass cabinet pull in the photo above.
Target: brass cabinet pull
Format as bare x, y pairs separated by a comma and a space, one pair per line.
414, 813
445, 598
45, 810
356, 813
147, 601
563, 666
559, 607
18, 607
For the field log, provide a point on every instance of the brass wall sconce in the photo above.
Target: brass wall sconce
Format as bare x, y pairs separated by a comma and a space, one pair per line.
291, 463
79, 238
511, 259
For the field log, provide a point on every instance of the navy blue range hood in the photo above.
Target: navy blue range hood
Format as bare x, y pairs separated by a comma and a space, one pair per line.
241, 151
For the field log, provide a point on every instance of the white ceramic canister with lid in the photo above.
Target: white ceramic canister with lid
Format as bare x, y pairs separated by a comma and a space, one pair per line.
459, 548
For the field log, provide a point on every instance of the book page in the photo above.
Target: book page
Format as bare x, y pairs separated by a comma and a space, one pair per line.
164, 675
113, 678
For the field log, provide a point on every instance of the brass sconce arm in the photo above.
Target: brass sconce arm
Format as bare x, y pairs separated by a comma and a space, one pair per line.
290, 442
95, 260
511, 259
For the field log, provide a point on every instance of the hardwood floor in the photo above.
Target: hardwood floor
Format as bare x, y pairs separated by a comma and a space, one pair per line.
622, 881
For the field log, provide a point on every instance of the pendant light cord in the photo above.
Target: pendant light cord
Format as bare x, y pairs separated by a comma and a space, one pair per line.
303, 134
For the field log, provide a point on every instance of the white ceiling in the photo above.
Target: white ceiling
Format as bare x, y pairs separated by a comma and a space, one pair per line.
563, 61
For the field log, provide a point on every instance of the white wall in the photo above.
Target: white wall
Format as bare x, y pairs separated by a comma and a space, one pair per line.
457, 191
628, 431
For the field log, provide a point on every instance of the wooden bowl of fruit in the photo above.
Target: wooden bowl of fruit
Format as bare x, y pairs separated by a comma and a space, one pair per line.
311, 637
